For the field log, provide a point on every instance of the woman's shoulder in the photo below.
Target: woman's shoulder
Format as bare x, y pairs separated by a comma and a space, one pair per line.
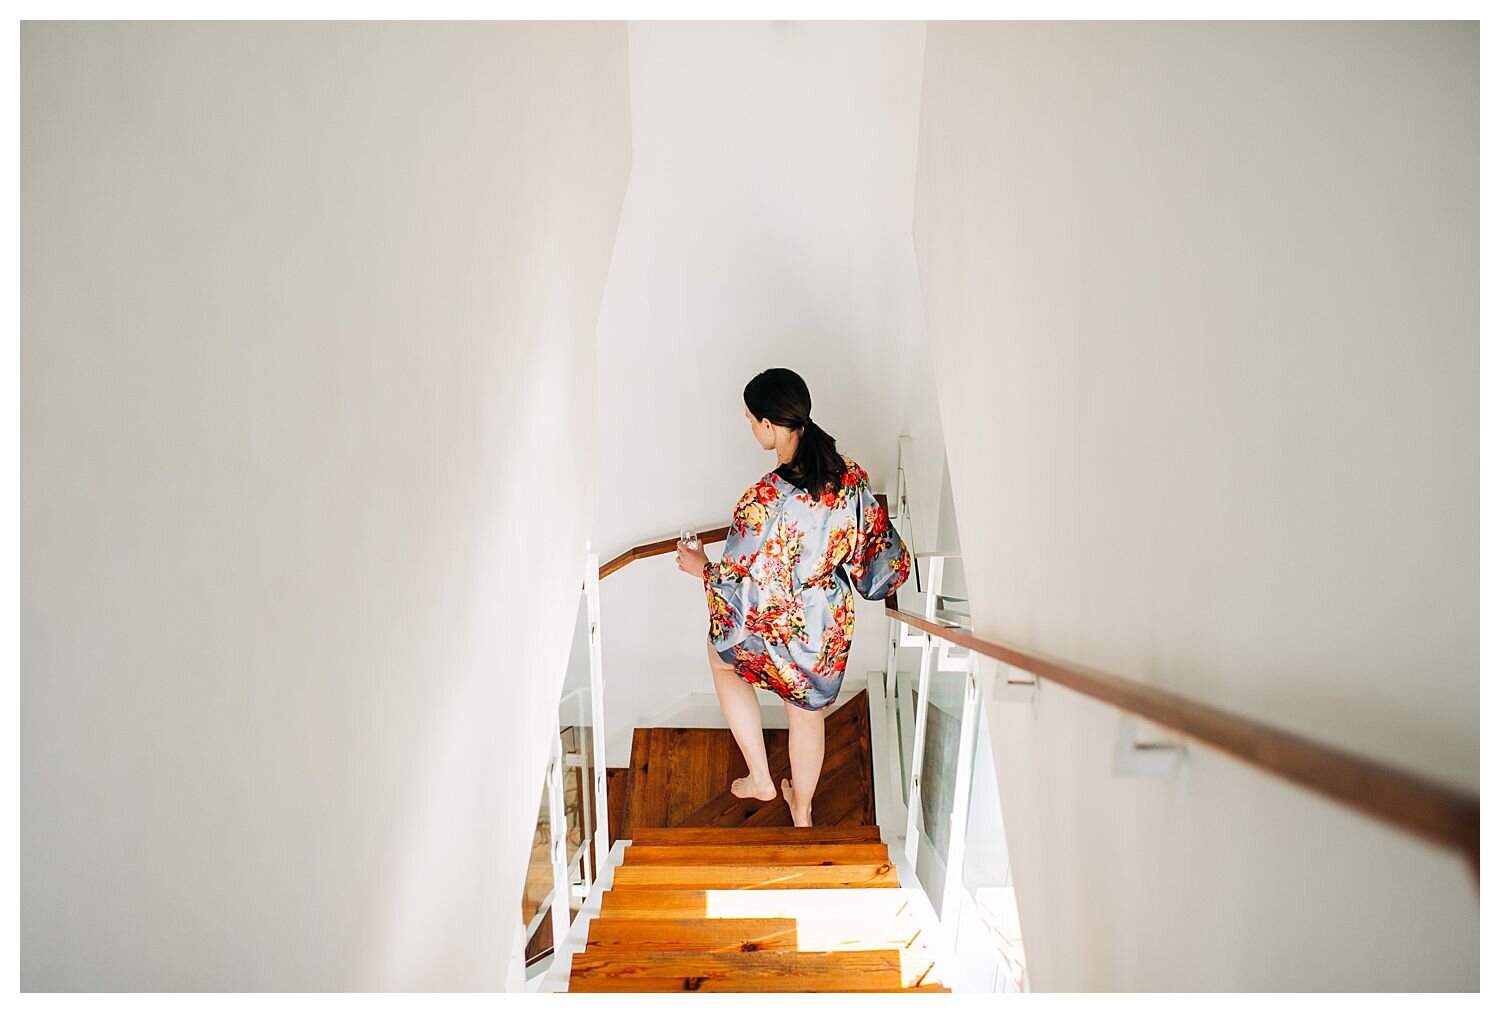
751, 510
852, 468
756, 490
762, 492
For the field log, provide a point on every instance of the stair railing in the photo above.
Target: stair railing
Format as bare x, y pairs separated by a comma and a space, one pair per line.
1418, 805
1000, 673
936, 854
580, 715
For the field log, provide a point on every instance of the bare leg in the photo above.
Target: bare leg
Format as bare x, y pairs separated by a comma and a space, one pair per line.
805, 744
741, 709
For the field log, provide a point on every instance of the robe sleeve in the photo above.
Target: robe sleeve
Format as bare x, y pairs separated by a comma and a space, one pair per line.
728, 582
880, 562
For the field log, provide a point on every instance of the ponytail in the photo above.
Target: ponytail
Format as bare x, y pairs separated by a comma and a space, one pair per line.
817, 466
781, 396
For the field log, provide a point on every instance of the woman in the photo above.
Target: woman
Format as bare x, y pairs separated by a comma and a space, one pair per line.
781, 612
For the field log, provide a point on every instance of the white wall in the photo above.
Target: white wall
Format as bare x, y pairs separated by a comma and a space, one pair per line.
1206, 295
767, 223
307, 374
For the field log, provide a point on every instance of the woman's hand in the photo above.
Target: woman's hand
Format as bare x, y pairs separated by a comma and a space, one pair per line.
691, 560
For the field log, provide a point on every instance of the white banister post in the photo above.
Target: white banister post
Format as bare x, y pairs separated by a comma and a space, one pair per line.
919, 743
561, 890
596, 684
889, 701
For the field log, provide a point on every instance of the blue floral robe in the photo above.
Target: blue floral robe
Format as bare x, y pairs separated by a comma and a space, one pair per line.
780, 604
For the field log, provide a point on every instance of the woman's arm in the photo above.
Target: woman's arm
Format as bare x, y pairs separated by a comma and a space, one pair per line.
880, 563
729, 584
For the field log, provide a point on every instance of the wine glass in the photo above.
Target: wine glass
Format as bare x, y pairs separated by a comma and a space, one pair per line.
687, 538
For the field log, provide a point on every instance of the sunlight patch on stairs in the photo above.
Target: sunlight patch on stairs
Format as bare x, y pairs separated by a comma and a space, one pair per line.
683, 913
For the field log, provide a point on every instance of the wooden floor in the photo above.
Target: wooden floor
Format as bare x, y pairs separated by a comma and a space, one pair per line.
775, 909
679, 777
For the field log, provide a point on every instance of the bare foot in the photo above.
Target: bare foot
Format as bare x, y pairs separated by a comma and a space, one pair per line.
743, 787
804, 820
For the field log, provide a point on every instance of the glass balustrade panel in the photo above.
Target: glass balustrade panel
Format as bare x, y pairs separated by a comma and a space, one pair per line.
536, 896
906, 710
944, 719
986, 865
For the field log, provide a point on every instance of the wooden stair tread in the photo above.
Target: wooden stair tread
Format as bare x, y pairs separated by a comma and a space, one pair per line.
653, 902
755, 835
766, 935
680, 776
757, 854
867, 971
845, 786
673, 771
757, 877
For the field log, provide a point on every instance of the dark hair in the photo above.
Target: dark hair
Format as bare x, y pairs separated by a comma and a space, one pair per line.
781, 396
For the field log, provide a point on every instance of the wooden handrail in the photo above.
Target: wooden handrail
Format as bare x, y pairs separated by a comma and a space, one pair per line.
1444, 815
660, 548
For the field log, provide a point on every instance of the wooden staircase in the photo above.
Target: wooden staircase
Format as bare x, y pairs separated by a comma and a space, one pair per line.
744, 909
722, 894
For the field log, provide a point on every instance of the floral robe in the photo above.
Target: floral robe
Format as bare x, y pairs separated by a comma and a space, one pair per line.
780, 604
